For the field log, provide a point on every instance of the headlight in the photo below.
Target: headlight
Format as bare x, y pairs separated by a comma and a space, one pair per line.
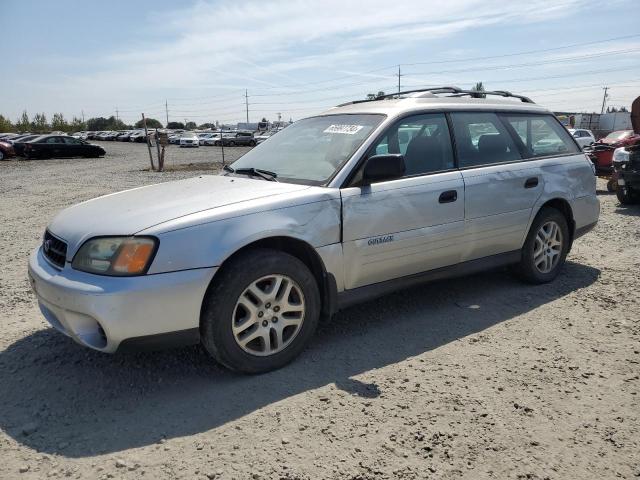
620, 155
116, 256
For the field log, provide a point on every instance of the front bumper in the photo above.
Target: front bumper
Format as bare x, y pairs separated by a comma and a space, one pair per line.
101, 312
629, 178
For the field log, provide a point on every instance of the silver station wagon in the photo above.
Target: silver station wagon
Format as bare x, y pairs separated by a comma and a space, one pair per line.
368, 197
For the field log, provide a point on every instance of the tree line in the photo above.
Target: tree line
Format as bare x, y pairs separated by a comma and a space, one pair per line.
39, 123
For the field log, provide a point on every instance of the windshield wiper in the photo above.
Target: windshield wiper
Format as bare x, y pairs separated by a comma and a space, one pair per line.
255, 172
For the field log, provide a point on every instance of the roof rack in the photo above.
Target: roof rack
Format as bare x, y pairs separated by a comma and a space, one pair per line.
455, 91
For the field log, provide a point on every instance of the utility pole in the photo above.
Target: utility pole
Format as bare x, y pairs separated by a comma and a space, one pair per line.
246, 103
604, 99
117, 116
399, 75
166, 109
82, 111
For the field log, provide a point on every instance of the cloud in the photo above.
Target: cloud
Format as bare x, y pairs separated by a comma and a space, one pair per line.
214, 48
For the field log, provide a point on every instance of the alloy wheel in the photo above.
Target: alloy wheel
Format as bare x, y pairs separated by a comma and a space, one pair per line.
547, 248
268, 315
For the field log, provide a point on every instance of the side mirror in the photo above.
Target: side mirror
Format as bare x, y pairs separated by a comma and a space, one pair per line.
383, 167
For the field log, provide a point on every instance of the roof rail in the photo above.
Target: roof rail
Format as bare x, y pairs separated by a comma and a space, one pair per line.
456, 91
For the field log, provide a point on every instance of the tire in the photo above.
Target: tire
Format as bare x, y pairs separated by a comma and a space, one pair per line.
533, 268
232, 143
224, 307
252, 143
217, 144
625, 196
1, 155
611, 185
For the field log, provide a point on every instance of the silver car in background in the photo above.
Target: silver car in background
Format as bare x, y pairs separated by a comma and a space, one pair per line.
368, 197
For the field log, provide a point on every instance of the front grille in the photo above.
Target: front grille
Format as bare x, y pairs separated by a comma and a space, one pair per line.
54, 249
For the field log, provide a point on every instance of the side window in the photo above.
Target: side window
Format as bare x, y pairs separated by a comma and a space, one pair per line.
482, 139
70, 141
542, 135
424, 141
53, 140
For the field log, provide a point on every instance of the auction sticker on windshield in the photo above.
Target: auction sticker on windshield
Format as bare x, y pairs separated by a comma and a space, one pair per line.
346, 129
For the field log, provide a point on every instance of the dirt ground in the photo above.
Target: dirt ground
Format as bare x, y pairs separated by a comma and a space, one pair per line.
479, 377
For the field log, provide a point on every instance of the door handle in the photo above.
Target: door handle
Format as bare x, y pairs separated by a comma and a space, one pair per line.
448, 196
531, 182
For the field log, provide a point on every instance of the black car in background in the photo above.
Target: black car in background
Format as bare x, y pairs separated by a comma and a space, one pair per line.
49, 146
20, 142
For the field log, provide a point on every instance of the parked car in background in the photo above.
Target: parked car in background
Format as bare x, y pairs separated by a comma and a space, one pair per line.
112, 136
123, 136
18, 145
7, 136
212, 140
189, 139
53, 146
626, 162
601, 153
264, 136
174, 138
6, 150
361, 200
80, 135
139, 136
17, 138
238, 138
204, 136
583, 137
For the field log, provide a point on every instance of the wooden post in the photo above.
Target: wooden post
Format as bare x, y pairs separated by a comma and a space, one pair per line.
146, 133
158, 149
222, 145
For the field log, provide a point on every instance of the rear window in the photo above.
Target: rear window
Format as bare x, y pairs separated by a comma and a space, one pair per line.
482, 139
541, 135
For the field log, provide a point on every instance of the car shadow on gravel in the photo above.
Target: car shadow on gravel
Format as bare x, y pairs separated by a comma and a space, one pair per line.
57, 397
630, 210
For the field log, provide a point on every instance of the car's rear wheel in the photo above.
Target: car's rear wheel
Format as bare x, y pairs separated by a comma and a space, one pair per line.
1, 155
232, 143
611, 185
546, 247
217, 144
260, 312
252, 143
625, 195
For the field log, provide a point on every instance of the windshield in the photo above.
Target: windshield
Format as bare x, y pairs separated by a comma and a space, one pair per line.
311, 150
619, 135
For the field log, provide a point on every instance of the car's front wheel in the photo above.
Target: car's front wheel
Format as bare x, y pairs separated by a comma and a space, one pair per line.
546, 247
260, 311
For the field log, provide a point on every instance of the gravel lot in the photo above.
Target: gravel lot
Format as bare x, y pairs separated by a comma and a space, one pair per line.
481, 377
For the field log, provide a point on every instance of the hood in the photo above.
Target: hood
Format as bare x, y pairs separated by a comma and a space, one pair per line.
130, 211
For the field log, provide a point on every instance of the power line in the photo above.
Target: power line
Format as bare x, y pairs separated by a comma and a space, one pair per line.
437, 62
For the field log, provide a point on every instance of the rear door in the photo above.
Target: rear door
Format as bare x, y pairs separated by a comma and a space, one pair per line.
408, 225
500, 189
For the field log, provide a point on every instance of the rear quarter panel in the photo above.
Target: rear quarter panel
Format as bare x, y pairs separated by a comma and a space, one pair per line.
569, 178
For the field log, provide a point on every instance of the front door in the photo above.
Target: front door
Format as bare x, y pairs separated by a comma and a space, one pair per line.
408, 225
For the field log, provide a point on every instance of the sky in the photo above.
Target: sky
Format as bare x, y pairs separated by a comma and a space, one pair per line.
198, 59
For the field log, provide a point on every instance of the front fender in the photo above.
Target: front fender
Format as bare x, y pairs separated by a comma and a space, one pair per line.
210, 244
